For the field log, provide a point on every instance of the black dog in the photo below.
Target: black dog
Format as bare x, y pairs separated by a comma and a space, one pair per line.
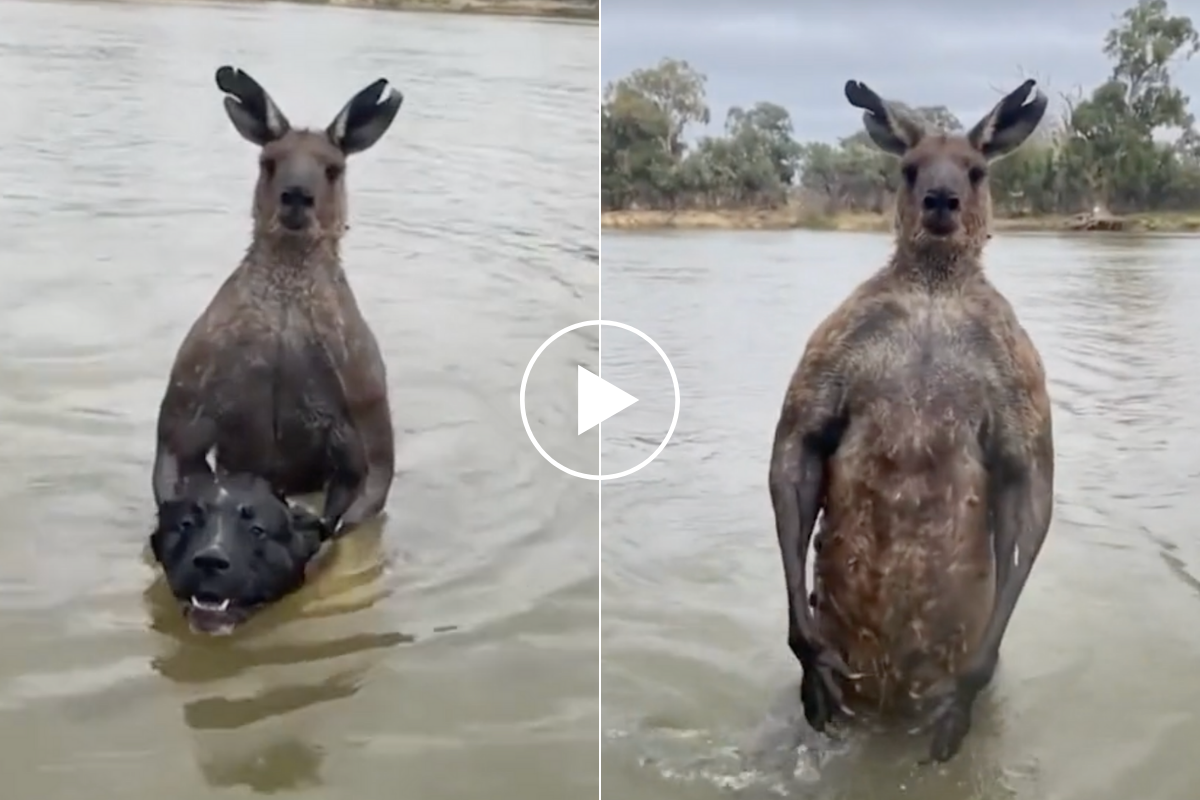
229, 545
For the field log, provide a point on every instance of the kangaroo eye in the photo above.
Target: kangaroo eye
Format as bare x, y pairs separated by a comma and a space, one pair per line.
258, 530
910, 173
333, 172
268, 167
977, 174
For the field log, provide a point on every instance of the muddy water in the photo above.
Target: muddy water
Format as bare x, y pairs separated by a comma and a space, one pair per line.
1097, 695
449, 652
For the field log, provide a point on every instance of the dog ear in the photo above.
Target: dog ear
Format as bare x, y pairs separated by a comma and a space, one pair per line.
304, 520
166, 514
156, 544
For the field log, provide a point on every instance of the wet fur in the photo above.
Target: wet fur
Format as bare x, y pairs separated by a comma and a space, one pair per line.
281, 376
904, 572
266, 543
918, 426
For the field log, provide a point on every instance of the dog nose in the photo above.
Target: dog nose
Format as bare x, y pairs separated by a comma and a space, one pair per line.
210, 561
940, 200
296, 197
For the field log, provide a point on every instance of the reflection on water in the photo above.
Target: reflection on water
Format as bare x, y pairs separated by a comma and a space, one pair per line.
253, 682
1095, 696
450, 645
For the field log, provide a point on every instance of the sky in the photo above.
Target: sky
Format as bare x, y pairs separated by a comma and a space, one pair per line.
962, 55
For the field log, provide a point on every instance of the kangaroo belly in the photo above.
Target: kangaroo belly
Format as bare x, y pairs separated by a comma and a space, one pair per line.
904, 576
284, 403
310, 410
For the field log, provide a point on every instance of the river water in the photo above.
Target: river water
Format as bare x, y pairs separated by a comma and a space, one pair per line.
448, 652
1096, 697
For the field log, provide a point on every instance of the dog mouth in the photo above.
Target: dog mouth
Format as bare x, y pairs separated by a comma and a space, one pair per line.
214, 616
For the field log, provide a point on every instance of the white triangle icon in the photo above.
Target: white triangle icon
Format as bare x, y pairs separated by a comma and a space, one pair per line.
599, 400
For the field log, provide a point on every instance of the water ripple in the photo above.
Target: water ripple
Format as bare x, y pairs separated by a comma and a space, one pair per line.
694, 614
473, 237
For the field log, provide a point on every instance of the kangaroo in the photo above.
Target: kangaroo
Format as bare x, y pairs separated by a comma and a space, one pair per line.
918, 425
281, 377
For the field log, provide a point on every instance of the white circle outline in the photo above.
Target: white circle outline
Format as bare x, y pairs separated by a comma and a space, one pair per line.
600, 323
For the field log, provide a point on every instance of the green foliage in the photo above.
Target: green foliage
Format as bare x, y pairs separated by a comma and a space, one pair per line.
1129, 145
645, 162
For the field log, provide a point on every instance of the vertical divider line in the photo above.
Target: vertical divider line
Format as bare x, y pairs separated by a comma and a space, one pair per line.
599, 430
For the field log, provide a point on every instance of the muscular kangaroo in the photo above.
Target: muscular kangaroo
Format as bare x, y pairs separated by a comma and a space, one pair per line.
918, 424
281, 377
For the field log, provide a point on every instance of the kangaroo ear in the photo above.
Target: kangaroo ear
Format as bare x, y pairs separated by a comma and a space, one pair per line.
892, 131
366, 118
252, 111
1007, 126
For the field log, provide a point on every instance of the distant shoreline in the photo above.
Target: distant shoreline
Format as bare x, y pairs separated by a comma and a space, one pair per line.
792, 218
562, 10
544, 9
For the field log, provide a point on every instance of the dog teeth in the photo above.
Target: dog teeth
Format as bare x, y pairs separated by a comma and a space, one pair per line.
203, 606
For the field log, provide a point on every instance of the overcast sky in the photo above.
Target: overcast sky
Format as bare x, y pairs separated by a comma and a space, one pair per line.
932, 52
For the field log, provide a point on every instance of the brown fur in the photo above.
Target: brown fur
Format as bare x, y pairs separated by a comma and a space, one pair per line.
918, 405
329, 204
281, 375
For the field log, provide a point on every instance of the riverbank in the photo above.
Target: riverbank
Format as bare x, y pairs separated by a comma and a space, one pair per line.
791, 217
552, 9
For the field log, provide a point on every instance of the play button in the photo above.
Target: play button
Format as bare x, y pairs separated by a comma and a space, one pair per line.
598, 400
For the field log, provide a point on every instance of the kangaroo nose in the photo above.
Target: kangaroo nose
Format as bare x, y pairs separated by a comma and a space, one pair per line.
940, 200
296, 197
210, 561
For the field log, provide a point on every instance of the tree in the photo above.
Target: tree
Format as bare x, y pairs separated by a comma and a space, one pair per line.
934, 117
1143, 45
1128, 144
635, 162
1112, 132
678, 91
768, 127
